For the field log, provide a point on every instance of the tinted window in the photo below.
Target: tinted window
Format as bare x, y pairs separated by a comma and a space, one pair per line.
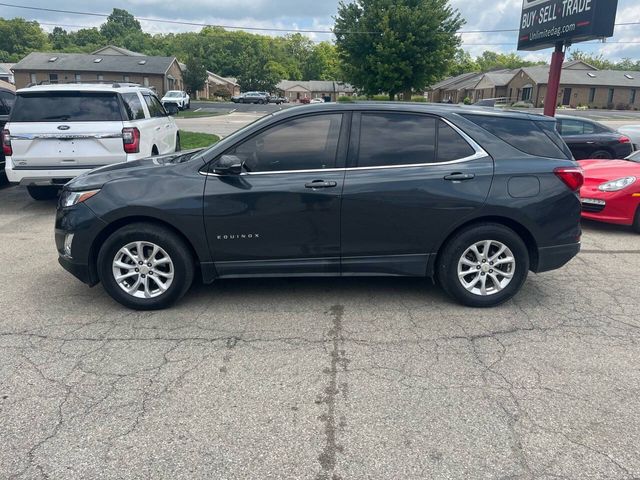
133, 106
67, 107
6, 102
549, 128
525, 135
308, 143
571, 127
451, 146
396, 139
155, 108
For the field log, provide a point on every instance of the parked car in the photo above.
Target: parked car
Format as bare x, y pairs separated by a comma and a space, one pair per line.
251, 97
277, 99
589, 139
57, 132
611, 191
305, 101
471, 197
317, 100
633, 132
7, 99
177, 97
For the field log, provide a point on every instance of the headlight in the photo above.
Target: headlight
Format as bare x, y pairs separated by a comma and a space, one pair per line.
617, 185
69, 199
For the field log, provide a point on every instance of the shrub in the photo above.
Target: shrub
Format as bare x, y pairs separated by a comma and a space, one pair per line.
380, 98
622, 106
418, 98
345, 99
467, 101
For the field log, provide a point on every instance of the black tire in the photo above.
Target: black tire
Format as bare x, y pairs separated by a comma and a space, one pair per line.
188, 105
172, 244
447, 267
636, 222
602, 155
178, 146
154, 151
261, 102
42, 193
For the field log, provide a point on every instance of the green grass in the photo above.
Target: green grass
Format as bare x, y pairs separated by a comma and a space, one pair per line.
189, 140
193, 114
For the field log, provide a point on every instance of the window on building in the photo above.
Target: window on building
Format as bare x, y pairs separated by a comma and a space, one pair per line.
125, 78
33, 78
78, 77
527, 93
632, 98
146, 81
592, 95
53, 78
308, 143
100, 77
612, 91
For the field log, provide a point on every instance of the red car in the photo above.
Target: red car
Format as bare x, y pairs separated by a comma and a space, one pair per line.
611, 191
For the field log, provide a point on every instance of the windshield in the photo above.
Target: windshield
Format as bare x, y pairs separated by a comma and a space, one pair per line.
67, 106
173, 94
634, 157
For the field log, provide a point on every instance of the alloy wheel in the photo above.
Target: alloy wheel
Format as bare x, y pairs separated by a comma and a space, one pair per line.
486, 267
143, 269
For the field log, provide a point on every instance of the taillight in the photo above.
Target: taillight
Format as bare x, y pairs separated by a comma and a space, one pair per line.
573, 177
131, 140
624, 139
6, 143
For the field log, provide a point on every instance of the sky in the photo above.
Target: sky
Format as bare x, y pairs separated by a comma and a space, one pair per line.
318, 15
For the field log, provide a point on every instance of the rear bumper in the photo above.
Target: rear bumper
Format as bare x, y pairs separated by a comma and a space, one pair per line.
552, 258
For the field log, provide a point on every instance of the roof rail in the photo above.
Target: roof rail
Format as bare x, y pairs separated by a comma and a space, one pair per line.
88, 82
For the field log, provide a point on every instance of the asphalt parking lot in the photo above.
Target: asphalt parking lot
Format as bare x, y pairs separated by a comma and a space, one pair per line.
317, 378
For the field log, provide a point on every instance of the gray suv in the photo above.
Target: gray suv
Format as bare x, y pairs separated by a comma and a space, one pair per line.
471, 197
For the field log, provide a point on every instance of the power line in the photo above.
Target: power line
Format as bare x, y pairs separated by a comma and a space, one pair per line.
264, 29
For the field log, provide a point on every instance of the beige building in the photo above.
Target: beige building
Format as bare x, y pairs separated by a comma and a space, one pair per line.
217, 86
110, 64
330, 91
580, 85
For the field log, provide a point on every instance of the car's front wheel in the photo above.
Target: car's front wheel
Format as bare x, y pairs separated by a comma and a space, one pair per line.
42, 193
483, 265
145, 266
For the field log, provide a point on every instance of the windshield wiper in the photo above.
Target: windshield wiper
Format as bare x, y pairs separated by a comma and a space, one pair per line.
64, 118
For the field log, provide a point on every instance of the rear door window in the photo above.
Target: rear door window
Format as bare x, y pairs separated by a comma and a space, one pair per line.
67, 107
392, 139
155, 107
451, 145
6, 102
525, 135
133, 106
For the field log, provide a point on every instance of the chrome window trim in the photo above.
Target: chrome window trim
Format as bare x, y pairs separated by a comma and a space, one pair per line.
479, 153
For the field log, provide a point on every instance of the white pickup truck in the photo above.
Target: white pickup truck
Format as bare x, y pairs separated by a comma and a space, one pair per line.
57, 132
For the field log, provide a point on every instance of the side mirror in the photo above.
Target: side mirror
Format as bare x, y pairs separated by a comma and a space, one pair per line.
228, 165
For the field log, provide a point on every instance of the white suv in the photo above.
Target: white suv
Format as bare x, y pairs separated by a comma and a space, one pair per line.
178, 98
57, 132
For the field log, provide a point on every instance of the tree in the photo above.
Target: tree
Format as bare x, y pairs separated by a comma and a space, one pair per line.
396, 46
489, 61
119, 24
19, 38
322, 63
462, 63
195, 75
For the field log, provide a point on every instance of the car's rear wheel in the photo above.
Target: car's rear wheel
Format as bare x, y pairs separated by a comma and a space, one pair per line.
636, 221
601, 155
483, 265
145, 266
42, 192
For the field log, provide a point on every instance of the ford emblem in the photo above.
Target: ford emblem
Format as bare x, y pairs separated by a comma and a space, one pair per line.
64, 127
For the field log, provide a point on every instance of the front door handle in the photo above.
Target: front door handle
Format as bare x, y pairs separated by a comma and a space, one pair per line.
460, 177
320, 184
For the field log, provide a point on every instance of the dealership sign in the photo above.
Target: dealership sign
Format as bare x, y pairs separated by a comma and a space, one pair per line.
544, 23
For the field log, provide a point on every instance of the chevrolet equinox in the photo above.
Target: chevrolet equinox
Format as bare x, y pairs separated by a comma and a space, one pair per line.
471, 197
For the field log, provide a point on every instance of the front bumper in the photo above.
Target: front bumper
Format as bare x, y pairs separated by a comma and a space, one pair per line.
619, 208
85, 226
552, 258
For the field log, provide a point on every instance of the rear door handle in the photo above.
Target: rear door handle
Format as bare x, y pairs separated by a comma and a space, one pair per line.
460, 177
321, 184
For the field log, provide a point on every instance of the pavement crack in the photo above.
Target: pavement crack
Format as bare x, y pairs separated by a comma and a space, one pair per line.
338, 361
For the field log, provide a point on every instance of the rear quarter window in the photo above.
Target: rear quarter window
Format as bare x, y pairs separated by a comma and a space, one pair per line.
533, 138
133, 106
67, 107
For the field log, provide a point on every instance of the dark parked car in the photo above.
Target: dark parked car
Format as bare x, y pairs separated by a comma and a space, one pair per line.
589, 139
251, 97
471, 197
7, 99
